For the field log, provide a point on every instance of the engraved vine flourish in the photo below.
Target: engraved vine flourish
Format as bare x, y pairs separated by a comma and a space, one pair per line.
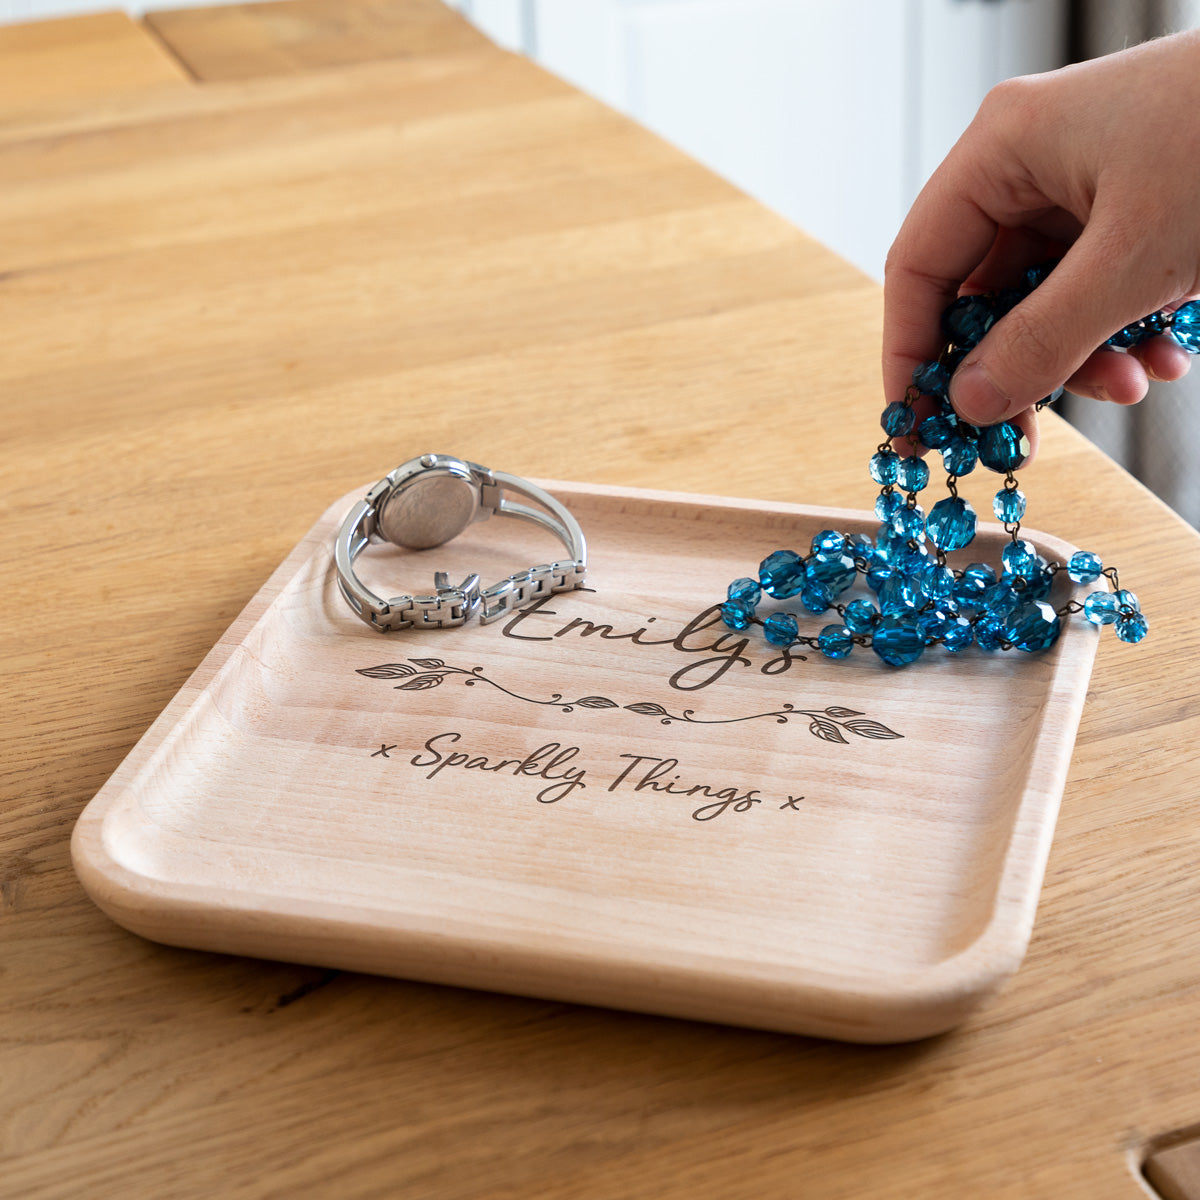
829, 724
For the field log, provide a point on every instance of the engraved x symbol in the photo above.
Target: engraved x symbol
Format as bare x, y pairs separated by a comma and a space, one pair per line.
382, 752
792, 802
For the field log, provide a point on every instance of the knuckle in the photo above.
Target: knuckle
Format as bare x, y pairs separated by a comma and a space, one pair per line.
1014, 99
1011, 109
891, 262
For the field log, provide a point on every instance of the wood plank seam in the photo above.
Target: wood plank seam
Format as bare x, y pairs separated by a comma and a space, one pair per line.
169, 50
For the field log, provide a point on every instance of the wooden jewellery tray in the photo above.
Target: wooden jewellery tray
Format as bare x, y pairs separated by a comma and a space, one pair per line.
606, 798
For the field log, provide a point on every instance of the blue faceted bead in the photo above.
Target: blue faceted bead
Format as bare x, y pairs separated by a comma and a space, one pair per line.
815, 597
1003, 447
1038, 583
835, 641
780, 629
972, 587
898, 640
912, 474
911, 560
1009, 506
968, 594
1020, 557
1127, 600
951, 523
865, 560
909, 522
960, 456
957, 635
1033, 626
1132, 627
828, 541
861, 546
888, 543
1185, 326
887, 505
1100, 608
833, 573
967, 319
1036, 276
1000, 600
937, 582
897, 594
1084, 567
1139, 332
781, 574
932, 379
933, 622
884, 465
897, 419
979, 575
745, 589
860, 616
937, 431
989, 633
736, 613
877, 574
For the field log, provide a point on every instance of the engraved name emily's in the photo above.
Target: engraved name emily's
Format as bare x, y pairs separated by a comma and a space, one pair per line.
724, 650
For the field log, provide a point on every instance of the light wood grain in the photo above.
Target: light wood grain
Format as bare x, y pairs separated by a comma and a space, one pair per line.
80, 59
247, 41
226, 307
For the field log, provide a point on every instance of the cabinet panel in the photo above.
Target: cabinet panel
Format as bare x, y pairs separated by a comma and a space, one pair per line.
506, 22
962, 49
800, 102
585, 41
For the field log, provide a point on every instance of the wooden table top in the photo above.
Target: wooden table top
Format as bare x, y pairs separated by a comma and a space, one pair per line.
250, 259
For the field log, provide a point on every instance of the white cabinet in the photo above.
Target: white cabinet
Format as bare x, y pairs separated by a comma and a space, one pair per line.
832, 112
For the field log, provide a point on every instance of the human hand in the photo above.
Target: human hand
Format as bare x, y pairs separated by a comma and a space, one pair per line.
1098, 163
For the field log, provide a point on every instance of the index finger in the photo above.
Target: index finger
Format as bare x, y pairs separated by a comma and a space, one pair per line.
945, 236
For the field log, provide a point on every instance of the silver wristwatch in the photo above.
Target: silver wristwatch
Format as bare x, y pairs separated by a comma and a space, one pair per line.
430, 500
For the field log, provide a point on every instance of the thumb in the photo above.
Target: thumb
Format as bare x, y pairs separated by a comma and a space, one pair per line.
1040, 343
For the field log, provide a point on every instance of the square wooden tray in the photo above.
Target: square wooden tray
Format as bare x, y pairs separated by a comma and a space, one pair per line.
606, 798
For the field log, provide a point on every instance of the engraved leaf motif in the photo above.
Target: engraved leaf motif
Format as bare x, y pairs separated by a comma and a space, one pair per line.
647, 708
872, 729
842, 712
387, 671
596, 702
429, 664
418, 682
827, 731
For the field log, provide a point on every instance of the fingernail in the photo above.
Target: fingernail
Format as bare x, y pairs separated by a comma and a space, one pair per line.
976, 397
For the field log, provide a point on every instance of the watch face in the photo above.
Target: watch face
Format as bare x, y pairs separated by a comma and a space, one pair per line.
429, 509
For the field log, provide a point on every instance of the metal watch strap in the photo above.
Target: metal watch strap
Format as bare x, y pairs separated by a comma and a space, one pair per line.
452, 605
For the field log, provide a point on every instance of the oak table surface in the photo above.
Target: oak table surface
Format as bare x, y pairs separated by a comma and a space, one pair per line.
227, 303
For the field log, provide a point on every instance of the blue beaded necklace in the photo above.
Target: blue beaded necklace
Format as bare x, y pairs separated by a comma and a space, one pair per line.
919, 599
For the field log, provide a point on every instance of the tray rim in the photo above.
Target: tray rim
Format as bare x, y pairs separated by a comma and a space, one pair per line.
926, 1001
